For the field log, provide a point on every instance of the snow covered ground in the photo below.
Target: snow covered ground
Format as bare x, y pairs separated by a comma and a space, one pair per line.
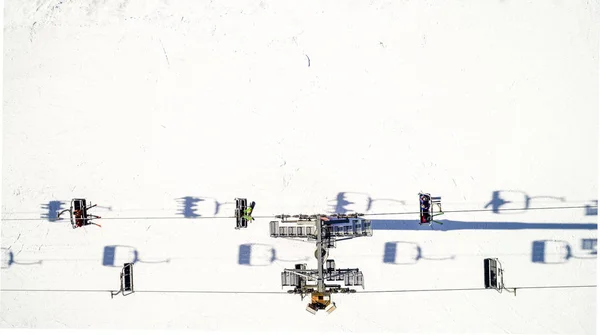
302, 107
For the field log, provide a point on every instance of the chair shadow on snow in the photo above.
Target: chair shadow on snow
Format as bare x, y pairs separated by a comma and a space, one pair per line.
592, 209
117, 255
449, 225
346, 202
190, 206
8, 259
258, 254
51, 210
406, 253
560, 252
502, 202
516, 201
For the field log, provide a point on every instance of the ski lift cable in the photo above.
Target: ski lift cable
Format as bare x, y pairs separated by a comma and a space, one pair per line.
479, 289
274, 216
26, 290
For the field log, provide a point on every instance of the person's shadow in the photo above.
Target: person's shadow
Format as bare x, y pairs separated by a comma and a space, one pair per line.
188, 206
362, 202
341, 203
51, 210
521, 200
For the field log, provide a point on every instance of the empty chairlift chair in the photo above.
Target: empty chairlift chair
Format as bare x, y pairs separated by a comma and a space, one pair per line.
126, 280
494, 276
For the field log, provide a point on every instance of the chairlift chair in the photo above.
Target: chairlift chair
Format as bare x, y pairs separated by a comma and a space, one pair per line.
241, 205
429, 208
494, 276
126, 280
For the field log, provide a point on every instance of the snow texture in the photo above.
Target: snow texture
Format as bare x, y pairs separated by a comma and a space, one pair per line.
156, 108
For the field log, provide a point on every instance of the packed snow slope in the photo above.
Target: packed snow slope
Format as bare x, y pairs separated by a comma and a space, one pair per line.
303, 107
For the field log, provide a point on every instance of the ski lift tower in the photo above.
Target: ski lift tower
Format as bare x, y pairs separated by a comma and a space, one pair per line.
325, 231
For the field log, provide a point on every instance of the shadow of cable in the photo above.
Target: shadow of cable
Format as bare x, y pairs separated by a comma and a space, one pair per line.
449, 225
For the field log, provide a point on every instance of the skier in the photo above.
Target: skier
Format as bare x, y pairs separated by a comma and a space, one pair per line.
78, 213
80, 220
425, 203
426, 215
243, 213
248, 214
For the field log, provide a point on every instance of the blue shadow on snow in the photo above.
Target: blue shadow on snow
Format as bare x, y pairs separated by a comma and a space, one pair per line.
217, 204
590, 244
559, 252
51, 210
110, 252
265, 254
413, 253
464, 225
341, 202
519, 198
258, 254
592, 210
8, 259
188, 206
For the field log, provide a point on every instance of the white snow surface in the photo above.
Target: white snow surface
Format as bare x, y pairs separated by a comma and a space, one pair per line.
136, 104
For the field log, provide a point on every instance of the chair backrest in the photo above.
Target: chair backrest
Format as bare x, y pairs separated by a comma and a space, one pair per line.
490, 266
80, 205
127, 277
